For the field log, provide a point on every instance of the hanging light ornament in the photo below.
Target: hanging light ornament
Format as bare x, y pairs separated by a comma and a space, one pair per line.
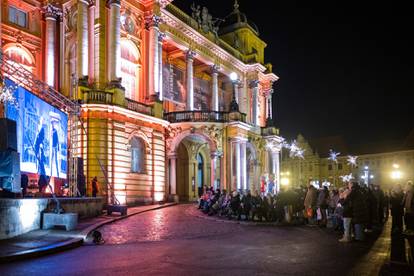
346, 178
352, 160
333, 155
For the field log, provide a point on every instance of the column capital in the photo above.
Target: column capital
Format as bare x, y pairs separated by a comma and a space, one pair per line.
172, 156
161, 37
152, 21
254, 83
108, 2
52, 12
190, 54
215, 69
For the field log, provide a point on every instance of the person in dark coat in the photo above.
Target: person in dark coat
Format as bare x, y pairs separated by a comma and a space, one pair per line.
95, 188
397, 209
360, 211
247, 204
24, 183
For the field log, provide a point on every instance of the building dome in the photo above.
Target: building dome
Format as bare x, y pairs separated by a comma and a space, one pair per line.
236, 20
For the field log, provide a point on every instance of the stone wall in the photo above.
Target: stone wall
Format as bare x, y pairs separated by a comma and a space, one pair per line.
19, 216
85, 207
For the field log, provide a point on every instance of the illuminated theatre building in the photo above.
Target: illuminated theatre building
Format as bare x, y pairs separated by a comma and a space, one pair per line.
162, 116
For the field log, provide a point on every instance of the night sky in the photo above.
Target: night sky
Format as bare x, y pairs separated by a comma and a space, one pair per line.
345, 67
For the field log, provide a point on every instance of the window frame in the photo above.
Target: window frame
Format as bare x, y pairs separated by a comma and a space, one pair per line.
135, 151
16, 20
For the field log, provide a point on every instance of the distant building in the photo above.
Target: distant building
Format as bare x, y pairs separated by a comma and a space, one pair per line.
385, 163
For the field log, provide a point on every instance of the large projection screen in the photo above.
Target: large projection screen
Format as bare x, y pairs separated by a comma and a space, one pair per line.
41, 133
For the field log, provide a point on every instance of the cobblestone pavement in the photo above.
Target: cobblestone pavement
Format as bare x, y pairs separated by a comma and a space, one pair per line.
175, 241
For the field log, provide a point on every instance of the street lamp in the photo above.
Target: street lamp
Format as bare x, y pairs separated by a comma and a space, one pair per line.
234, 106
396, 174
285, 178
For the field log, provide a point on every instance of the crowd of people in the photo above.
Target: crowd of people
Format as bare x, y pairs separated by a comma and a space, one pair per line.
354, 209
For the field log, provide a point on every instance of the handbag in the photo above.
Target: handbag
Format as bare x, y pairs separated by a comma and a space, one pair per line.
309, 212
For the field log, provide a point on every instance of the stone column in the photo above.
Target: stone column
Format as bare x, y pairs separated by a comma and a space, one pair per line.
190, 80
61, 54
161, 37
52, 14
91, 44
215, 92
243, 165
254, 85
270, 104
172, 169
237, 163
213, 170
82, 38
114, 37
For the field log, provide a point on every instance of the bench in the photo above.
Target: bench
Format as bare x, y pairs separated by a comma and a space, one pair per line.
69, 220
116, 208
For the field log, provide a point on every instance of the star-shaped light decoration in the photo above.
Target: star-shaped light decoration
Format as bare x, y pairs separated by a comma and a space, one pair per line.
293, 148
352, 160
333, 155
346, 178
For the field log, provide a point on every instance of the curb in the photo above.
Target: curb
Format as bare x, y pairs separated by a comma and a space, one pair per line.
72, 243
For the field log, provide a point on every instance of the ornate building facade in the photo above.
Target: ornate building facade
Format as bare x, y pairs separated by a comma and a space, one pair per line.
160, 116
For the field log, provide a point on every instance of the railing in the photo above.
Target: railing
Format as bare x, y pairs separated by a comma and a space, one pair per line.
97, 97
203, 116
103, 97
139, 107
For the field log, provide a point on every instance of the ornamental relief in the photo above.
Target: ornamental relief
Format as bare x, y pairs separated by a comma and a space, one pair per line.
215, 133
70, 19
170, 134
132, 23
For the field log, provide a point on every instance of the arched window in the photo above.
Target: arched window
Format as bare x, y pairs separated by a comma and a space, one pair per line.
130, 68
20, 55
137, 155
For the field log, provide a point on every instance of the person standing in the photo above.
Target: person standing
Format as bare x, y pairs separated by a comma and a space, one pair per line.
95, 188
24, 184
409, 207
346, 212
397, 209
360, 210
310, 202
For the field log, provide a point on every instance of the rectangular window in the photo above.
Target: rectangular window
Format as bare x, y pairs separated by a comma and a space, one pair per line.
330, 167
17, 17
340, 166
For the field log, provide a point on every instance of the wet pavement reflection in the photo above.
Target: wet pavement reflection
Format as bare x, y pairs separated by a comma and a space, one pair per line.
164, 224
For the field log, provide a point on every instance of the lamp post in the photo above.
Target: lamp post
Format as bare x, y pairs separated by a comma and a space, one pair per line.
234, 106
367, 176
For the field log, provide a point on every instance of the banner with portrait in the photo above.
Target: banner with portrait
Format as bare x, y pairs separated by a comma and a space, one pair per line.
173, 84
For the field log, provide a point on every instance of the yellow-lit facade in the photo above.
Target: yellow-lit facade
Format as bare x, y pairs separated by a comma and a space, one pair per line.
379, 168
155, 121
